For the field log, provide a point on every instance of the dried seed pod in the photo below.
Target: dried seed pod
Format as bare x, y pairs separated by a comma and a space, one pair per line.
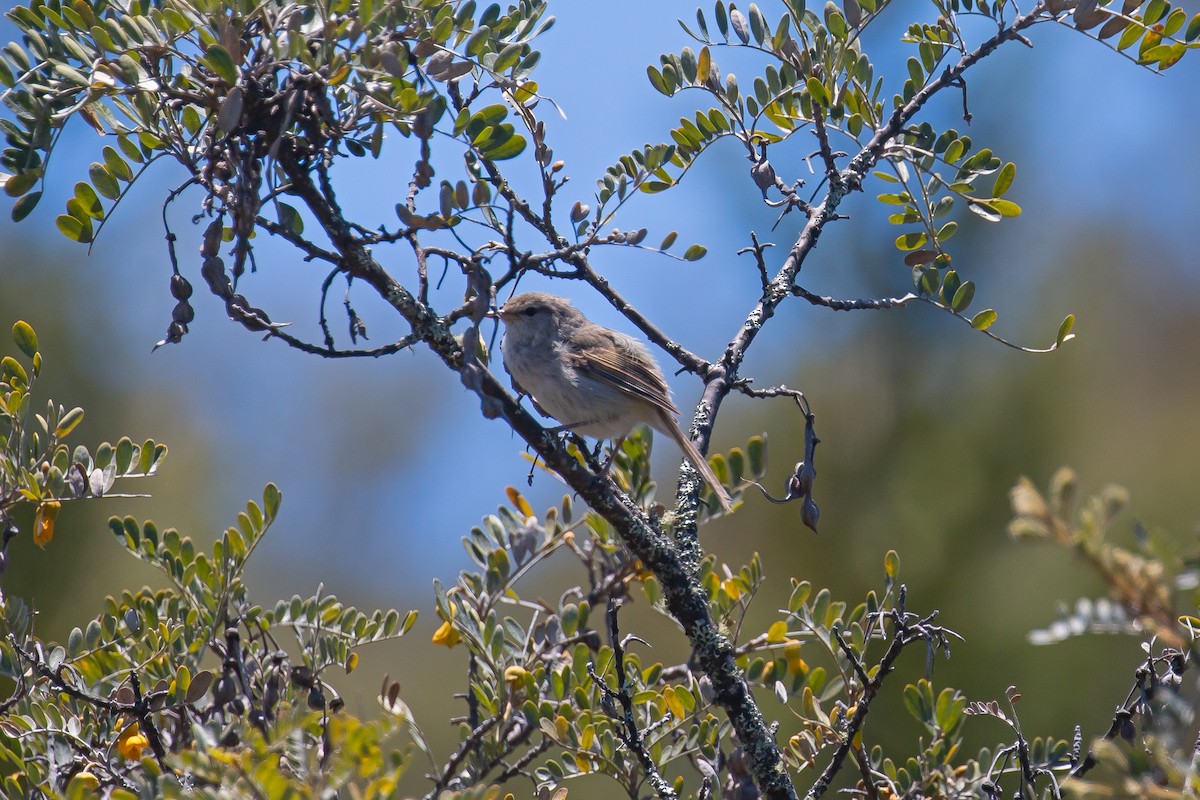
181, 288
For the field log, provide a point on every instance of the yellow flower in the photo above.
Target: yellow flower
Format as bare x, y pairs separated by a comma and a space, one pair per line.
43, 523
446, 635
515, 677
131, 743
796, 665
86, 780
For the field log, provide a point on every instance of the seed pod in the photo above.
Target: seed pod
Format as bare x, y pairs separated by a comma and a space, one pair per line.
809, 514
214, 274
224, 691
183, 313
181, 289
212, 238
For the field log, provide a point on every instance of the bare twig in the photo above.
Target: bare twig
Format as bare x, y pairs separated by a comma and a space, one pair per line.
629, 733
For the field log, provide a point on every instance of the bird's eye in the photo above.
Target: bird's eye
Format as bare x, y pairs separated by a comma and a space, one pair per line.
531, 311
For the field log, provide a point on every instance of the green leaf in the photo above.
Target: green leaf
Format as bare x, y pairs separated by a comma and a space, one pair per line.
22, 182
290, 218
11, 368
489, 115
87, 201
25, 338
510, 148
1004, 179
915, 72
820, 94
73, 75
1064, 331
74, 228
1131, 35
659, 81
950, 285
1006, 208
756, 452
948, 709
271, 499
125, 452
954, 151
104, 181
1155, 10
758, 24
963, 297
695, 252
24, 206
913, 701
131, 150
68, 422
220, 62
891, 564
835, 22
508, 57
116, 165
911, 241
1193, 29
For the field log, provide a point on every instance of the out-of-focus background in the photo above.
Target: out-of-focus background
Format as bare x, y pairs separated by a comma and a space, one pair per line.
925, 425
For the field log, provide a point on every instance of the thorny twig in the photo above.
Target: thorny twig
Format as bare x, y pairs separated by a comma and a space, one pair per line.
628, 732
908, 629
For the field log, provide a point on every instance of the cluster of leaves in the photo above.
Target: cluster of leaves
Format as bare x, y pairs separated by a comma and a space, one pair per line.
819, 78
542, 678
179, 689
1162, 33
1153, 595
1148, 588
552, 695
832, 702
37, 466
167, 691
245, 96
115, 65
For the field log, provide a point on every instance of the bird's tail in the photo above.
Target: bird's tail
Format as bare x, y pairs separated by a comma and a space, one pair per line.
671, 427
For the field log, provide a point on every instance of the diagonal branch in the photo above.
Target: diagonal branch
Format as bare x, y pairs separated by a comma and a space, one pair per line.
685, 598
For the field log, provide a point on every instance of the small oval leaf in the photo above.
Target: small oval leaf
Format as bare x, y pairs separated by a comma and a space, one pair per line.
25, 338
984, 319
1064, 331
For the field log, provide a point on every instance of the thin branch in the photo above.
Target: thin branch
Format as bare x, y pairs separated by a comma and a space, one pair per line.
629, 733
312, 252
328, 352
873, 303
909, 629
518, 767
465, 748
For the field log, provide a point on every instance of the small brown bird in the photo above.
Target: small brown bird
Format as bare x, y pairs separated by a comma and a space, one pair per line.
597, 382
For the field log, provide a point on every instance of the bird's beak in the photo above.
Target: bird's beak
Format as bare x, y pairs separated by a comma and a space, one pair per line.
500, 315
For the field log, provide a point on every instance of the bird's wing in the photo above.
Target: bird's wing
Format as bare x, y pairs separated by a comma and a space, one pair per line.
627, 367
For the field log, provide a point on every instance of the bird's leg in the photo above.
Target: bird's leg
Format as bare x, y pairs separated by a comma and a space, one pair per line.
612, 454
